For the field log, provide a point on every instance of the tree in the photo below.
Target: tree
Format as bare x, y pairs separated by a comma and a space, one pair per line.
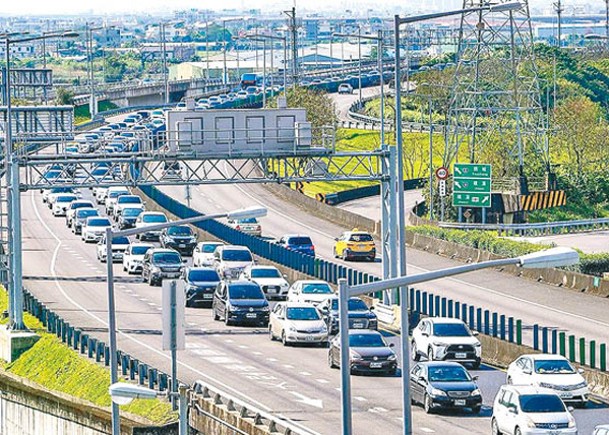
320, 108
65, 97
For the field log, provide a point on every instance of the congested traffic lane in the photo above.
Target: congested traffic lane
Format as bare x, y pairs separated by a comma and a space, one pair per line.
295, 382
580, 314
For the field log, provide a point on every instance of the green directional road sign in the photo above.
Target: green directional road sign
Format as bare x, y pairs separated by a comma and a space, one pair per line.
472, 185
471, 199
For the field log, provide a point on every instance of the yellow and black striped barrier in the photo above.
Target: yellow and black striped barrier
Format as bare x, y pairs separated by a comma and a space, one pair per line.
320, 197
542, 200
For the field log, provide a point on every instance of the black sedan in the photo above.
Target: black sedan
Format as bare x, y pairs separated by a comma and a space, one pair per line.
179, 237
128, 217
368, 353
444, 385
360, 316
200, 285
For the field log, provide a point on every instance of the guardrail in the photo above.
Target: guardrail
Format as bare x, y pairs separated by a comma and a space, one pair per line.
535, 229
364, 192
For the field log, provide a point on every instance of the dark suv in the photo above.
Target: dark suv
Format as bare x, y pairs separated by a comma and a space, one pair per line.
360, 316
200, 284
298, 243
240, 302
159, 264
180, 237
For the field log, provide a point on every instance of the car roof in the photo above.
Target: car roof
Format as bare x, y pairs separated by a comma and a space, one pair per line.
151, 245
157, 250
311, 281
262, 266
363, 332
440, 364
528, 389
153, 213
201, 268
444, 320
543, 356
242, 282
234, 247
288, 304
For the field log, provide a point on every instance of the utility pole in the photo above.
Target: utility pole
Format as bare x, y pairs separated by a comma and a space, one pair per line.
164, 53
294, 30
607, 22
559, 10
89, 42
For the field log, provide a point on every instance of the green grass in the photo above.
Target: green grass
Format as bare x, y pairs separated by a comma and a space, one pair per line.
55, 366
82, 113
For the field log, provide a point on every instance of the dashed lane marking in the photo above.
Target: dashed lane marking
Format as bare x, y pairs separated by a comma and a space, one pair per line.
322, 381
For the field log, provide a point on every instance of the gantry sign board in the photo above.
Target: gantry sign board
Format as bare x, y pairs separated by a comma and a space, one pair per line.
239, 131
30, 77
39, 123
472, 185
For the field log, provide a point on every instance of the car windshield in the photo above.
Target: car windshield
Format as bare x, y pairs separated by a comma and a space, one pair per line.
245, 292
208, 248
553, 366
366, 340
302, 313
247, 221
354, 305
101, 222
116, 194
154, 218
448, 374
130, 200
236, 255
541, 403
132, 212
317, 288
67, 198
166, 258
360, 238
450, 330
299, 241
179, 231
61, 190
203, 275
265, 273
86, 213
76, 205
120, 240
139, 250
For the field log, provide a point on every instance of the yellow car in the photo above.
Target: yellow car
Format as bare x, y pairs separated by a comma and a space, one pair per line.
355, 244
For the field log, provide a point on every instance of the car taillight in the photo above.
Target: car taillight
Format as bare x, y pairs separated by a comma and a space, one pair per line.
312, 248
238, 228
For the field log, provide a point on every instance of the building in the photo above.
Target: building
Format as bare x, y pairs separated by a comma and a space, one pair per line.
19, 51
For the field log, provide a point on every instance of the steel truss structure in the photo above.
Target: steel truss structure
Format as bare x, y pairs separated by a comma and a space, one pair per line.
135, 169
496, 103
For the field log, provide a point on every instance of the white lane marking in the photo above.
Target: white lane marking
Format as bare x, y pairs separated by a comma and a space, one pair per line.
222, 360
152, 304
514, 298
192, 324
206, 352
257, 353
322, 381
305, 373
272, 359
160, 309
288, 366
242, 346
360, 399
377, 410
426, 429
228, 340
152, 349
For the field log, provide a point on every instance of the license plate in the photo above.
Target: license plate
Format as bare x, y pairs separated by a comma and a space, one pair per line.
207, 296
272, 290
173, 275
460, 355
251, 315
460, 402
358, 325
376, 365
566, 395
182, 245
309, 338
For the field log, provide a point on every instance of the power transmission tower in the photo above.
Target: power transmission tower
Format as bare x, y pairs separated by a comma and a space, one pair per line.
495, 110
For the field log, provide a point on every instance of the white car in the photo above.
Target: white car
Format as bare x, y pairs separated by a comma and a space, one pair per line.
61, 203
249, 226
100, 194
526, 410
554, 372
445, 339
113, 193
230, 260
345, 88
94, 228
56, 191
149, 218
310, 291
75, 205
126, 201
270, 280
293, 322
119, 245
203, 255
133, 257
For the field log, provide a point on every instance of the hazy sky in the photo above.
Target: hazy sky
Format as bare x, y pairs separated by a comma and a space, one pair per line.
59, 7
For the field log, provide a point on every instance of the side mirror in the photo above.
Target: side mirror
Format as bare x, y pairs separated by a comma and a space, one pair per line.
391, 344
425, 334
336, 239
475, 378
526, 371
513, 410
285, 276
422, 380
570, 408
475, 333
185, 261
581, 371
371, 308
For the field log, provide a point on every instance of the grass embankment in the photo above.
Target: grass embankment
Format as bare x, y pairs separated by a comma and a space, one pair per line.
55, 366
590, 264
82, 113
416, 157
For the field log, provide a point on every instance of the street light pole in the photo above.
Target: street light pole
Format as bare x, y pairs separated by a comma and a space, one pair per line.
359, 54
163, 37
110, 235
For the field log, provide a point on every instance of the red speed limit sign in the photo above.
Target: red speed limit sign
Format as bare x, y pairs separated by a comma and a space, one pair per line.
442, 173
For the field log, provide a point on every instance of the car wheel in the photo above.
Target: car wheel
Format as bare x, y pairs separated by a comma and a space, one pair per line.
414, 352
427, 404
150, 281
476, 365
334, 253
216, 317
581, 405
476, 410
509, 380
517, 431
430, 354
495, 428
284, 341
331, 361
344, 255
189, 303
271, 335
